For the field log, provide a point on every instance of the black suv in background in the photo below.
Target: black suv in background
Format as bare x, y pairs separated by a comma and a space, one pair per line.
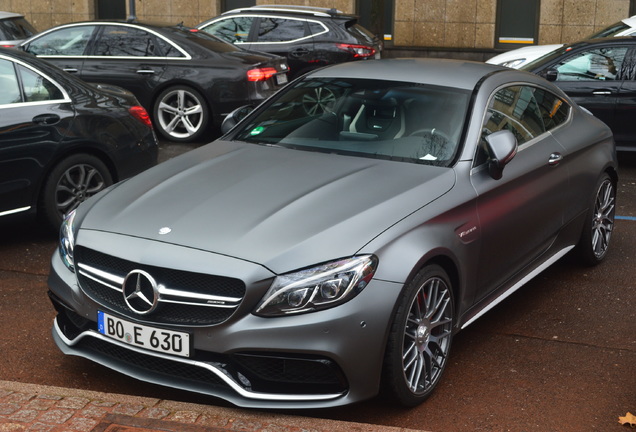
308, 37
14, 28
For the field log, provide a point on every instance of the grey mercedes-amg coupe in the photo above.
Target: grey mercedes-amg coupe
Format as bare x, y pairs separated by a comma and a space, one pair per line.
330, 245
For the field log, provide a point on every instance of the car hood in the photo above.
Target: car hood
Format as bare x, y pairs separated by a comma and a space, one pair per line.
281, 208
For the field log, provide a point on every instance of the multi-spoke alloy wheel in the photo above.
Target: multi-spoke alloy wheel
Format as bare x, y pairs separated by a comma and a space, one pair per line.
71, 182
320, 101
420, 338
181, 114
599, 224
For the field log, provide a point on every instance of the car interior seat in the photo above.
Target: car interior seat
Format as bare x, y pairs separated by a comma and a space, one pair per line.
381, 119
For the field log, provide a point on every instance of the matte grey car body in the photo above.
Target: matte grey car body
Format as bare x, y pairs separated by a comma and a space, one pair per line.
340, 234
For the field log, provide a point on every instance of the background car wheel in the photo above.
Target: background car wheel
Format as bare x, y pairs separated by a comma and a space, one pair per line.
319, 101
599, 223
72, 181
420, 337
181, 114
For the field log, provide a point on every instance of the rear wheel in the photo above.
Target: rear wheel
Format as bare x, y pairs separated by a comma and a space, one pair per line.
599, 223
181, 114
420, 337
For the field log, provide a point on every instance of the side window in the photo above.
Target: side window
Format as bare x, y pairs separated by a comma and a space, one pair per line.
554, 110
596, 64
9, 84
121, 41
37, 88
70, 41
280, 29
231, 30
316, 28
515, 109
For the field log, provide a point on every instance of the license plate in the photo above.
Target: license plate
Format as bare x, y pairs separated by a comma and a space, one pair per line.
142, 336
281, 79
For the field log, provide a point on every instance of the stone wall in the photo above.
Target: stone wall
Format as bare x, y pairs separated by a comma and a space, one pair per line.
419, 24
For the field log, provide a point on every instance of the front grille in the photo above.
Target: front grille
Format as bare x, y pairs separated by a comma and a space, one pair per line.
196, 299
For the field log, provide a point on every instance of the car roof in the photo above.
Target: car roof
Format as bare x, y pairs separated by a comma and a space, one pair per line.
292, 10
4, 15
440, 72
631, 21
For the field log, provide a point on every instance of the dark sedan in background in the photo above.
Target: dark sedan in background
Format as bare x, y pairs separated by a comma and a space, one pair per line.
63, 140
323, 250
188, 80
600, 75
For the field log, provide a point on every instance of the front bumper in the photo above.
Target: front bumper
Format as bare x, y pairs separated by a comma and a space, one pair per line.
321, 359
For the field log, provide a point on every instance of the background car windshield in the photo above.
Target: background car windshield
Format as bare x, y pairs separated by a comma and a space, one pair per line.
610, 31
380, 119
13, 28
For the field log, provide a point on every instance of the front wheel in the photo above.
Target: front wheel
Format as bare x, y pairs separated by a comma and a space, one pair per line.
599, 223
71, 182
181, 114
420, 337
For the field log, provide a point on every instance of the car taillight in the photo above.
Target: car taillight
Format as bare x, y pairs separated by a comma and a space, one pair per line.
261, 74
141, 114
358, 51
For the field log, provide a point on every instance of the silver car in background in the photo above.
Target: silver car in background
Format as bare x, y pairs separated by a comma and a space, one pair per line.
332, 243
14, 28
522, 56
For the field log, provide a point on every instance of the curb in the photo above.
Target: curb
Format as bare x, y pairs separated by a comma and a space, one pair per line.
30, 407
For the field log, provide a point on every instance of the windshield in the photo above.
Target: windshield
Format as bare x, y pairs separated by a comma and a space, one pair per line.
371, 118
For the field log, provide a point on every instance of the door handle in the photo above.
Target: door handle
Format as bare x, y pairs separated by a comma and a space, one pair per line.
70, 70
145, 71
602, 92
300, 52
555, 159
46, 119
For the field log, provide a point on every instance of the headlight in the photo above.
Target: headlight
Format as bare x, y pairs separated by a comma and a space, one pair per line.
316, 288
67, 241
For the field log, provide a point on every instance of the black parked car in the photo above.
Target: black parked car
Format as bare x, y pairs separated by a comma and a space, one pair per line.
14, 28
309, 37
600, 75
62, 140
187, 79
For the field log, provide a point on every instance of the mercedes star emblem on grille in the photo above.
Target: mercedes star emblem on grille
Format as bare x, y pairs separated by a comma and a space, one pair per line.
140, 292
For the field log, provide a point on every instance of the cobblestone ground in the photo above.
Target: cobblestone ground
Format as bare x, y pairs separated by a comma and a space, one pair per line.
27, 407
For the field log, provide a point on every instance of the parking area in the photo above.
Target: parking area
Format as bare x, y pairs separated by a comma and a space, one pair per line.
557, 355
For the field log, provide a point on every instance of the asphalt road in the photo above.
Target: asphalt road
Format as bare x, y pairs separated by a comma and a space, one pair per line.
558, 355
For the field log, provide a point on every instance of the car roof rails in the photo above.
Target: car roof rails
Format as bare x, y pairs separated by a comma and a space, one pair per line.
309, 10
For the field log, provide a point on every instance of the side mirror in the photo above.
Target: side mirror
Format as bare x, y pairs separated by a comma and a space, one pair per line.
502, 147
551, 74
234, 117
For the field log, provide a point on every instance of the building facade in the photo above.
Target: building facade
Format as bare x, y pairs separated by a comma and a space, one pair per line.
474, 29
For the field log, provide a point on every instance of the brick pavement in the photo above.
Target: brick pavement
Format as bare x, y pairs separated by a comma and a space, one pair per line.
35, 408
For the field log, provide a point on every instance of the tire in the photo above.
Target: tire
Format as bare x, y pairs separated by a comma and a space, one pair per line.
599, 223
70, 182
181, 114
420, 337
